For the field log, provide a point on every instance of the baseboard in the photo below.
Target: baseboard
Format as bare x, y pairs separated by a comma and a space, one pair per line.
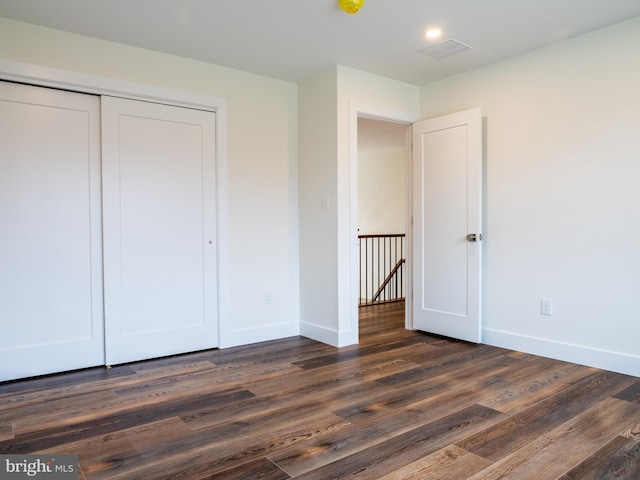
320, 334
246, 336
329, 336
603, 359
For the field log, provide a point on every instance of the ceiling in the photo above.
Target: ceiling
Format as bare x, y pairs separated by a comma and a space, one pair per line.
294, 40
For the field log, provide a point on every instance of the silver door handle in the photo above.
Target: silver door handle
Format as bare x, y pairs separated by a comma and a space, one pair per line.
474, 237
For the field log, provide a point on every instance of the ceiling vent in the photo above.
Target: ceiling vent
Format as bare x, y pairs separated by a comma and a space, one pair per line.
445, 49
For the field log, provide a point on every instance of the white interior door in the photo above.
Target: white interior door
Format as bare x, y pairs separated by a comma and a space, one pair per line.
447, 212
159, 229
50, 246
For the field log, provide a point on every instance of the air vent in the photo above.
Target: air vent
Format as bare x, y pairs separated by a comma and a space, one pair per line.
445, 49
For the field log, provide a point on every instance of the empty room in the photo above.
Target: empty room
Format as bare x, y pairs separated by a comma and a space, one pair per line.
330, 239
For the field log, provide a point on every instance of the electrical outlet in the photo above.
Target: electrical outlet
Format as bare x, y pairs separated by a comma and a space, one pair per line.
268, 297
546, 306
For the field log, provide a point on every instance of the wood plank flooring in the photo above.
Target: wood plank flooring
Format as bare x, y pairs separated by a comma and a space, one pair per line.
400, 405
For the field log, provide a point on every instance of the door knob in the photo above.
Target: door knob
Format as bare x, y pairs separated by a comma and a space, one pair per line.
474, 237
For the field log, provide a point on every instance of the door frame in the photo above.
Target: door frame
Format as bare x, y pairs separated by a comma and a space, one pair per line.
20, 72
356, 110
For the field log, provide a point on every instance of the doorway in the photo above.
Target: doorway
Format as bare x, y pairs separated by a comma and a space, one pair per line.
382, 161
446, 153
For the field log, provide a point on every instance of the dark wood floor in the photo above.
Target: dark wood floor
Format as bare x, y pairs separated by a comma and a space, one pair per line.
401, 405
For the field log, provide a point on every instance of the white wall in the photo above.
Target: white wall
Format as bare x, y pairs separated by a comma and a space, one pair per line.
562, 201
318, 208
381, 190
328, 109
262, 165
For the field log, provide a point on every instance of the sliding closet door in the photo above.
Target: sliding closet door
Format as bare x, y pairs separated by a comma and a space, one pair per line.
159, 207
50, 241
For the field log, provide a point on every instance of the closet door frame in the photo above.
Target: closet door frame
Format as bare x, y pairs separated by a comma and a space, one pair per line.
38, 75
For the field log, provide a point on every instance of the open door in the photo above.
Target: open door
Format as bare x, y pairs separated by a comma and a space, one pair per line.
447, 225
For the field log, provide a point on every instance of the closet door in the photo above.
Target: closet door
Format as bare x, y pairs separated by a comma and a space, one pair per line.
50, 242
159, 207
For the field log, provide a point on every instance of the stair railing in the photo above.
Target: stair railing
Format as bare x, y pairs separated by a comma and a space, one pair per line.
382, 258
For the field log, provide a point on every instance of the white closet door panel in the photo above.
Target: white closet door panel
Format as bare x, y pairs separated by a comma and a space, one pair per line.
50, 247
159, 229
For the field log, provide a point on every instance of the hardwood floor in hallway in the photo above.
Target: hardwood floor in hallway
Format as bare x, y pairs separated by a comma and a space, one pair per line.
400, 405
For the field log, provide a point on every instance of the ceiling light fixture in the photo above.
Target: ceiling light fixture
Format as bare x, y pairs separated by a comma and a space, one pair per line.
433, 33
351, 6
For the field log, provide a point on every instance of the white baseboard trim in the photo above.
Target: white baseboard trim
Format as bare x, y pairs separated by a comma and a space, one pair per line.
591, 357
320, 334
247, 336
329, 336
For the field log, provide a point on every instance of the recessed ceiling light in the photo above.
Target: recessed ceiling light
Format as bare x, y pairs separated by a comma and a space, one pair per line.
433, 33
